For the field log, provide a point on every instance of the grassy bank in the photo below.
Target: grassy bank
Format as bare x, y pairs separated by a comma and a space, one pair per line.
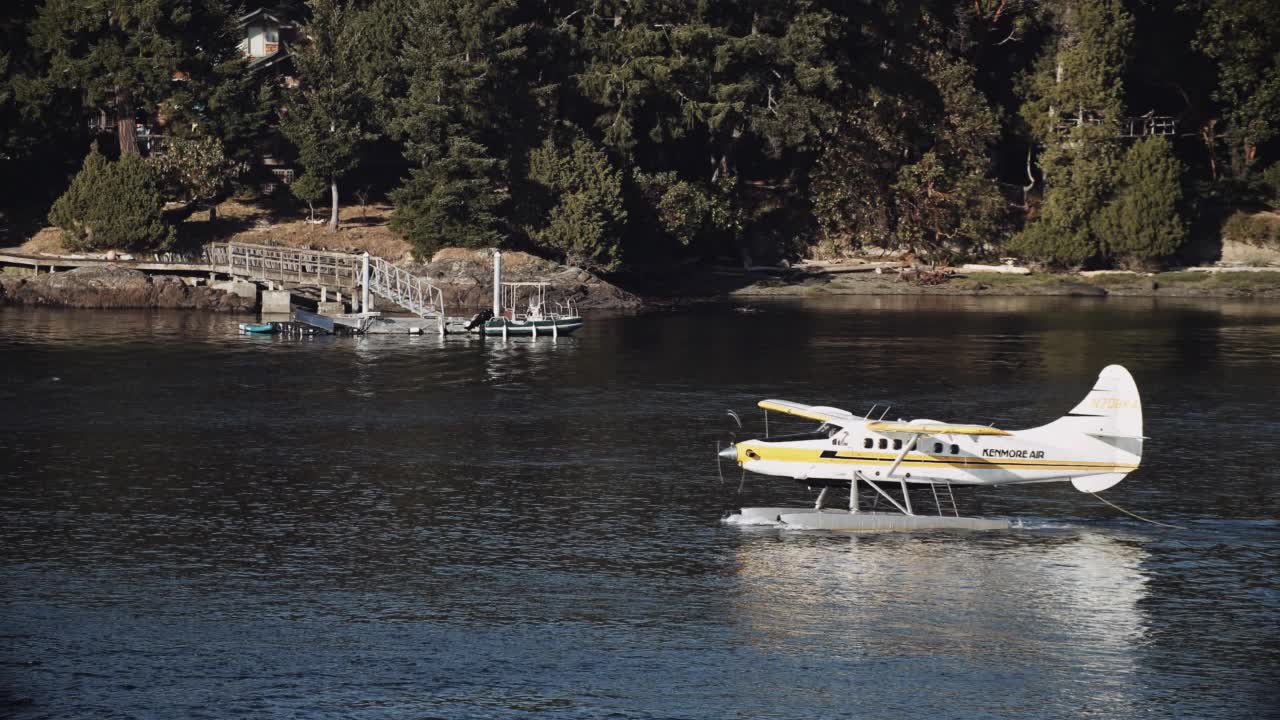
1263, 283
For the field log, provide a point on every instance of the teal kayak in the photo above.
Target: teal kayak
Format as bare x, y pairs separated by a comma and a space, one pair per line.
257, 327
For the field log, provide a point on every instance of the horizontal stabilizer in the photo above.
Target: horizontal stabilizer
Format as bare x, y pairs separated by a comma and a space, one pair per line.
1097, 483
933, 428
1117, 436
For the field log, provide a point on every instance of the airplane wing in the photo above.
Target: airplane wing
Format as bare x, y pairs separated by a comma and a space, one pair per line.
927, 427
812, 412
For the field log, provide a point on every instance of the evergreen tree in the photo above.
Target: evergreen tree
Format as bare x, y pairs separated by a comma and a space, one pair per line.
1142, 223
131, 56
723, 94
42, 136
113, 205
1074, 104
1083, 178
453, 201
326, 114
946, 201
1243, 38
461, 122
587, 222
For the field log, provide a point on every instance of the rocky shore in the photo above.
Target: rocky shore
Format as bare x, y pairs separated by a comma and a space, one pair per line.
116, 287
1237, 282
466, 278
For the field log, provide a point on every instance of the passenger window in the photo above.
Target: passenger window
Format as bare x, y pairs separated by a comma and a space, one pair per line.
868, 443
884, 444
937, 448
955, 449
897, 444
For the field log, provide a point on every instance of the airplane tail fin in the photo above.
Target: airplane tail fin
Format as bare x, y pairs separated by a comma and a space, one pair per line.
1112, 414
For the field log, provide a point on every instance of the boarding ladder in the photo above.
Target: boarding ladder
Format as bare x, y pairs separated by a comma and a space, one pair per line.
946, 495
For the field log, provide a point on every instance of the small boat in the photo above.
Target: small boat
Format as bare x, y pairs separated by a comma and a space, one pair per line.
257, 327
537, 319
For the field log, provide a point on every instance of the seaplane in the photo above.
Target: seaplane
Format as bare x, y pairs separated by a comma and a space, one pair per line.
1093, 447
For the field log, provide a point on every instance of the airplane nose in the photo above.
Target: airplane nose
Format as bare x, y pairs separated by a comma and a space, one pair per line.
729, 453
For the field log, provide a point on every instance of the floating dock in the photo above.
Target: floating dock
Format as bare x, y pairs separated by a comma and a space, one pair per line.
833, 519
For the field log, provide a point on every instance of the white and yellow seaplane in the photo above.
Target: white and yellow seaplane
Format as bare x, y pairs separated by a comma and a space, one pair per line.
1094, 447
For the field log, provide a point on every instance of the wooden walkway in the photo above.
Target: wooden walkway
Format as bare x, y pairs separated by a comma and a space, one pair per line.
275, 266
170, 262
286, 266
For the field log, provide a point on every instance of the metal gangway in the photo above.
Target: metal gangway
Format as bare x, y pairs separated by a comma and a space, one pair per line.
326, 269
402, 288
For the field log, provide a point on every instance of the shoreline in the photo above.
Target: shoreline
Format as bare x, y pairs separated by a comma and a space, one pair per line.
109, 287
1262, 283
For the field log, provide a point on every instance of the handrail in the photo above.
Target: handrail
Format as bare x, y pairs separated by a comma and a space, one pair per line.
327, 268
405, 289
339, 270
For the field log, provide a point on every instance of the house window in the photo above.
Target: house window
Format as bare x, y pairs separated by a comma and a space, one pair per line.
955, 449
937, 448
897, 443
273, 35
884, 444
868, 443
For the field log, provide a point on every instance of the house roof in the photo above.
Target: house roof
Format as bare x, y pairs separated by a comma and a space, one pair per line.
263, 14
263, 63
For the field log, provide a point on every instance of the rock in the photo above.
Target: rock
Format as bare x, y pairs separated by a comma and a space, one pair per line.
108, 286
466, 278
1083, 290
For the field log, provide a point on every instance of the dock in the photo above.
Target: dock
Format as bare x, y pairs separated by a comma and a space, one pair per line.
278, 276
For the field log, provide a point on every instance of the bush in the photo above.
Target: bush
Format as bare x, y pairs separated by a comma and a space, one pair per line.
1271, 183
1079, 179
1260, 229
310, 190
196, 170
113, 205
1141, 223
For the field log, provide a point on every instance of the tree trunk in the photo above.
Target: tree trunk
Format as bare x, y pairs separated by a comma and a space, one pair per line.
333, 216
126, 129
213, 212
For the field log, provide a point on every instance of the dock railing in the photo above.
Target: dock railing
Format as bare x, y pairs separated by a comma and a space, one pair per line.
341, 271
405, 289
286, 265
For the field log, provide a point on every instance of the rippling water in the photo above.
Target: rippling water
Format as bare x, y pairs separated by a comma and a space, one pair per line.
202, 524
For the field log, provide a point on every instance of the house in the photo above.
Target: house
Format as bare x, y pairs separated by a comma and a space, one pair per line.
267, 35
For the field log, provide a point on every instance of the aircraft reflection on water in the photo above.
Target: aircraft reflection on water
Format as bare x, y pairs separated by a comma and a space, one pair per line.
1073, 603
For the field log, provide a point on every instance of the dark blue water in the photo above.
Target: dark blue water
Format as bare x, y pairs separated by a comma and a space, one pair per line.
195, 523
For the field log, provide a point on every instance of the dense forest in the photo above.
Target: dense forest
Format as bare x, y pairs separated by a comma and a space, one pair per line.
620, 133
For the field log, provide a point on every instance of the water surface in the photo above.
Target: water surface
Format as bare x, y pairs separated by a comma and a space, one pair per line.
197, 523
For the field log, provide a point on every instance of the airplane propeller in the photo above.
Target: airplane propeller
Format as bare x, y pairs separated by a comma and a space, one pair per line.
721, 451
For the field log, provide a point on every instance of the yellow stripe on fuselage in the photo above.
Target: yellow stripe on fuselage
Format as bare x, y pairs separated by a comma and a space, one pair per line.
960, 462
